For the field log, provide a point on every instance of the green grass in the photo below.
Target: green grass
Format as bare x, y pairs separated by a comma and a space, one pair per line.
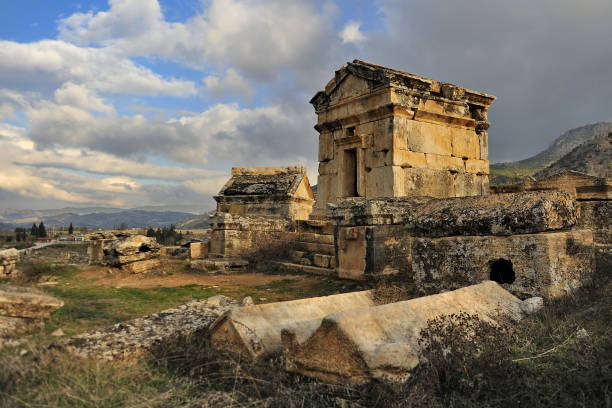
559, 357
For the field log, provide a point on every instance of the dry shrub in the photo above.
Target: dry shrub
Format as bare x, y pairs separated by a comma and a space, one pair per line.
267, 249
32, 272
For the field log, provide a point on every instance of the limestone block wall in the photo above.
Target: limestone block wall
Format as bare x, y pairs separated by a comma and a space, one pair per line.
387, 133
529, 242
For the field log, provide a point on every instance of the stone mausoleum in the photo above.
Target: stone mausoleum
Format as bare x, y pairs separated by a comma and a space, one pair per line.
403, 189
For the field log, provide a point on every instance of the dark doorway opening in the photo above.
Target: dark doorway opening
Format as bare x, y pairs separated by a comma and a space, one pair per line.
502, 271
350, 173
144, 248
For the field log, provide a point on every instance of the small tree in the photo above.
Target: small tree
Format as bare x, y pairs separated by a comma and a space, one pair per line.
70, 229
42, 231
34, 230
150, 232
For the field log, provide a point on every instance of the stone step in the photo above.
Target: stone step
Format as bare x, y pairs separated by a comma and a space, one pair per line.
315, 247
308, 269
316, 238
309, 258
315, 226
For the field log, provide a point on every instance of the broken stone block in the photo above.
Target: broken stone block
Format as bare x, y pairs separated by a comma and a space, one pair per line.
8, 260
532, 305
225, 265
143, 266
22, 302
133, 253
255, 331
322, 261
381, 342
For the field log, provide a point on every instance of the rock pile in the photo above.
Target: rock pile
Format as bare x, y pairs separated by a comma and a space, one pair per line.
134, 254
8, 260
138, 337
22, 309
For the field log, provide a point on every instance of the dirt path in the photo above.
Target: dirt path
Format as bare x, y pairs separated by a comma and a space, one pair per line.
100, 276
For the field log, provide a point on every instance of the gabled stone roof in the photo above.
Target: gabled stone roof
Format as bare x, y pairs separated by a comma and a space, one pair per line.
264, 181
381, 76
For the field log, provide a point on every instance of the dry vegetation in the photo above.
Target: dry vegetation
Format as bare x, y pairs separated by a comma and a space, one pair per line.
560, 357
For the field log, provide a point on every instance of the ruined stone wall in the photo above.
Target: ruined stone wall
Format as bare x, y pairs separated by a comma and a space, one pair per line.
526, 241
384, 133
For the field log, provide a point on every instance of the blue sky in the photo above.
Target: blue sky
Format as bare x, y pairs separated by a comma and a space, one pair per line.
151, 102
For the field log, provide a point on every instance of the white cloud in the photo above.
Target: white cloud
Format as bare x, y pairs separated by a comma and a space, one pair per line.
53, 63
12, 102
79, 96
254, 37
351, 33
231, 84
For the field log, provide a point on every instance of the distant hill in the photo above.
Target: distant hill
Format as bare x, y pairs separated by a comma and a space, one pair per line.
198, 222
502, 173
593, 157
104, 220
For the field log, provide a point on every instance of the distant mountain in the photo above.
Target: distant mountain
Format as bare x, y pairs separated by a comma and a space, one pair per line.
198, 222
104, 220
502, 173
593, 157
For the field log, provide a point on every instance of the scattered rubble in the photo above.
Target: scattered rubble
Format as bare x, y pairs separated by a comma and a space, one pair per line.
22, 309
136, 338
381, 342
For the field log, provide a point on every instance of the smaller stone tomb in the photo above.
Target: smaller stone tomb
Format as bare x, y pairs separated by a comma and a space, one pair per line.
267, 191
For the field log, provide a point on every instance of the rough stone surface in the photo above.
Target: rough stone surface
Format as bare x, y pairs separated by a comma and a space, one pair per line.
255, 331
500, 214
23, 309
8, 260
136, 338
21, 302
133, 253
227, 265
381, 342
532, 305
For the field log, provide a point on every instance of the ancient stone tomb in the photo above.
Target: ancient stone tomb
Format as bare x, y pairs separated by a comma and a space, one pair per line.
388, 133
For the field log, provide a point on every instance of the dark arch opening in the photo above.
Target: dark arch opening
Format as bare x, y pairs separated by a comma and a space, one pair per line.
502, 272
144, 248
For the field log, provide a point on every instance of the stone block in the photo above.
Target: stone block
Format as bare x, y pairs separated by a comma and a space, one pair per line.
326, 146
144, 266
322, 261
198, 250
406, 158
255, 331
17, 302
477, 166
549, 265
423, 137
438, 162
465, 144
382, 342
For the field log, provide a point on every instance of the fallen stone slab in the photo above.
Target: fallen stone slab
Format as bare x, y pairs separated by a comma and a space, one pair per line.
381, 342
226, 265
20, 302
137, 338
255, 331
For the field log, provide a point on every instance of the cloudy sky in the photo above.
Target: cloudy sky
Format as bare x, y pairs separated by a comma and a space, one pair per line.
151, 102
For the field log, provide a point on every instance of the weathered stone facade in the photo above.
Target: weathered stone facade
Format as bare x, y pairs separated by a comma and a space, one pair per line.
521, 240
267, 191
388, 133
